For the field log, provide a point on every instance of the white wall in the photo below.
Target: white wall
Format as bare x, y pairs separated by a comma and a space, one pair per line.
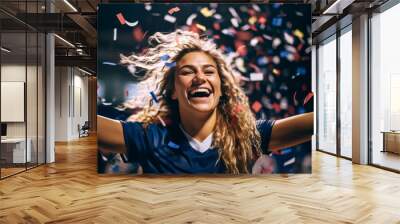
71, 94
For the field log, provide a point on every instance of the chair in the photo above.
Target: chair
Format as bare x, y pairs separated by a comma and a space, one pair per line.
84, 130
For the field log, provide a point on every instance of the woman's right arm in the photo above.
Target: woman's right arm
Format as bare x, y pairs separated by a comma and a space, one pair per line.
110, 135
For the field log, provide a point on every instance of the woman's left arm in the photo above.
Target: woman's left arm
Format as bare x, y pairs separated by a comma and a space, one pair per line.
291, 131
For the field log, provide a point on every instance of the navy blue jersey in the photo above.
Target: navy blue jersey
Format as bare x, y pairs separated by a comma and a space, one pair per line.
160, 149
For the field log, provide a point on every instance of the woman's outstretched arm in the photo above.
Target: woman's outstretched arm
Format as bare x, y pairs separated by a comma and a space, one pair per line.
110, 135
292, 131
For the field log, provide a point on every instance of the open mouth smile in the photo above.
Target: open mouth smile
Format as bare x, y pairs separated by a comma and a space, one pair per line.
199, 93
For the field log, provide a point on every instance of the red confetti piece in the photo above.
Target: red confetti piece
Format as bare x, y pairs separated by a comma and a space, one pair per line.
262, 20
308, 98
173, 10
121, 18
256, 106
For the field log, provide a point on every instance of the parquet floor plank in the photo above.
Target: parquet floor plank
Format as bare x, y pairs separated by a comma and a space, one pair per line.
71, 191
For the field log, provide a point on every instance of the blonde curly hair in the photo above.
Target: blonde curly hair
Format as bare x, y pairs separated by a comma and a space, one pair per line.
235, 135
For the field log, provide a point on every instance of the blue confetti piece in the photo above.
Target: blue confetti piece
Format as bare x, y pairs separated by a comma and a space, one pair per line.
109, 63
277, 21
284, 54
115, 168
165, 57
262, 61
286, 151
170, 64
301, 110
153, 95
173, 145
300, 71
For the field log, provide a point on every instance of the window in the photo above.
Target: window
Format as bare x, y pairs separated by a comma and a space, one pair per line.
327, 96
385, 89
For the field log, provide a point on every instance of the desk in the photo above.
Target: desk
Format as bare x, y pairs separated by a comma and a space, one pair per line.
391, 141
16, 147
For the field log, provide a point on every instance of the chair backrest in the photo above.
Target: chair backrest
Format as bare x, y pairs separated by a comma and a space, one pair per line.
86, 125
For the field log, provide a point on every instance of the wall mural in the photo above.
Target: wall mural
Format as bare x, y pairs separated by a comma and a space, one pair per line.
204, 88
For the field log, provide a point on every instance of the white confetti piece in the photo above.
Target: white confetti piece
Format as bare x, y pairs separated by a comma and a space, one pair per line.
276, 42
290, 161
289, 38
169, 18
131, 24
201, 27
235, 22
109, 63
256, 76
147, 6
217, 16
189, 20
115, 34
256, 7
254, 41
267, 37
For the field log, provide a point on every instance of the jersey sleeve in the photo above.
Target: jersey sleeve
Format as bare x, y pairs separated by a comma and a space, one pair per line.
264, 127
135, 140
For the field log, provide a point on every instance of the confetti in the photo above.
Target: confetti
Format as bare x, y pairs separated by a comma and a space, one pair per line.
256, 7
147, 6
121, 18
173, 10
276, 42
277, 21
165, 57
308, 98
256, 76
109, 63
103, 157
276, 60
206, 12
289, 39
276, 71
170, 64
262, 61
169, 18
267, 37
154, 97
123, 21
201, 27
233, 12
298, 34
290, 161
235, 22
189, 20
254, 41
230, 32
256, 106
217, 16
115, 34
173, 145
252, 20
262, 20
245, 27
131, 24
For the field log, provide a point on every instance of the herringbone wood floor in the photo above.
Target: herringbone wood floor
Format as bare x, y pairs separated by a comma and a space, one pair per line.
70, 191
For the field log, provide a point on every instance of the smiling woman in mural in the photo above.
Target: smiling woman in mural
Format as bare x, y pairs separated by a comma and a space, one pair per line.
199, 119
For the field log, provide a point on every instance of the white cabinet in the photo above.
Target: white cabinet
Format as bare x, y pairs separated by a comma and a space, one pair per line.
17, 146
